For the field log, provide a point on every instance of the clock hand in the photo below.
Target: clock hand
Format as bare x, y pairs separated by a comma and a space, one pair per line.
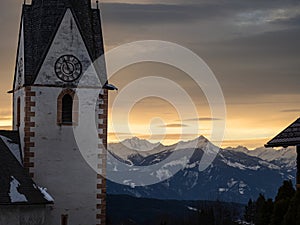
67, 64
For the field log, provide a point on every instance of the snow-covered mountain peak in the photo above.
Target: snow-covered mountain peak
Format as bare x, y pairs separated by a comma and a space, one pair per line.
138, 144
200, 142
284, 156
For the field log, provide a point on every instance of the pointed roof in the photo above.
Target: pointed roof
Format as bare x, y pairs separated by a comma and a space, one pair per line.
41, 20
16, 186
288, 137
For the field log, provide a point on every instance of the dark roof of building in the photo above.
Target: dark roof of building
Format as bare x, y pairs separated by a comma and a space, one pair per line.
41, 20
289, 137
16, 186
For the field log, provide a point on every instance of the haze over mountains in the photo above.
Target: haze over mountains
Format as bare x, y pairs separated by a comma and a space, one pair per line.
236, 174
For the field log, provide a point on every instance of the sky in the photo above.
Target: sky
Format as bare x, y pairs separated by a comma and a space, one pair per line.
253, 48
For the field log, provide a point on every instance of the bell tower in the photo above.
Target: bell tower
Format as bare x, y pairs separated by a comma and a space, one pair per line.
58, 42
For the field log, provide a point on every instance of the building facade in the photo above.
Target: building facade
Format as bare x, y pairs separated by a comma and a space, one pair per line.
58, 42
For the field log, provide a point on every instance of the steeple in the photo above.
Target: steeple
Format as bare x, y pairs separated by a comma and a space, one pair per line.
58, 42
42, 18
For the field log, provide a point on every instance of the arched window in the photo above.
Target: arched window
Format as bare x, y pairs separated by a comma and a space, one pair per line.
67, 108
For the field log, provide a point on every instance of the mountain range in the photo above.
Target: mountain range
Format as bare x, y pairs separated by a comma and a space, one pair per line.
236, 174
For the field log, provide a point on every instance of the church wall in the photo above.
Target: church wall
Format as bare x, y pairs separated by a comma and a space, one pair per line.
19, 94
23, 215
59, 165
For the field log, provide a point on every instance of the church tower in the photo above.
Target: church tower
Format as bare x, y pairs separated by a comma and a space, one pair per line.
58, 42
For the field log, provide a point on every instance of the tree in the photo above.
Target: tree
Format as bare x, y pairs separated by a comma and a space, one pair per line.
292, 217
250, 211
263, 211
286, 191
282, 201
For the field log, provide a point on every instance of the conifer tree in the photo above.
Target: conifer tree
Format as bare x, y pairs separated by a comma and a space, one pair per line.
292, 217
250, 211
282, 201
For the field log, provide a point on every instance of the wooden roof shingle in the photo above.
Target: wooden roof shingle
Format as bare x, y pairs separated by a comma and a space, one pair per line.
288, 137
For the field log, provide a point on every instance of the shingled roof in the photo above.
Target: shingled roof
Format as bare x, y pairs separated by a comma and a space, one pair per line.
289, 137
16, 186
41, 19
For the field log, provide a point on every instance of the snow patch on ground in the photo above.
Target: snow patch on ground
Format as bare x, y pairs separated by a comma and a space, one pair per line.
240, 166
14, 194
223, 189
192, 209
129, 183
269, 165
164, 173
242, 187
231, 183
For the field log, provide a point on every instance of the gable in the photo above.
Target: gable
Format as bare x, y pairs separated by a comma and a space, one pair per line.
68, 41
41, 21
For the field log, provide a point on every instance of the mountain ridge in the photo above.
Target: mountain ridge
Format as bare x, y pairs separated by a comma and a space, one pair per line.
236, 175
128, 148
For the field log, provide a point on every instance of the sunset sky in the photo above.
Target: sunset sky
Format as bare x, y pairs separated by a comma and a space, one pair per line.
253, 48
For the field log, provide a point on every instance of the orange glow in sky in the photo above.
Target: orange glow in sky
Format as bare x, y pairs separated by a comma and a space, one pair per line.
259, 74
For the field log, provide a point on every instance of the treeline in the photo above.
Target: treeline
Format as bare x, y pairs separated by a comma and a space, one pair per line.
217, 214
127, 210
284, 210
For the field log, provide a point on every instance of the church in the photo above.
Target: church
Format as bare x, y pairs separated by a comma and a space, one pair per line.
44, 178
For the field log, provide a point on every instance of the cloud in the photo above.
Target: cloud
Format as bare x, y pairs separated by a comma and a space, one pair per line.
174, 125
293, 21
256, 60
5, 117
247, 12
290, 110
203, 119
159, 13
5, 127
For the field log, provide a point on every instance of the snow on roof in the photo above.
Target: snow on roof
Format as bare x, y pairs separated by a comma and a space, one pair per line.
13, 147
14, 194
16, 186
47, 196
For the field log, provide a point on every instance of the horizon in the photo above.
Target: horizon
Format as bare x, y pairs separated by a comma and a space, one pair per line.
186, 141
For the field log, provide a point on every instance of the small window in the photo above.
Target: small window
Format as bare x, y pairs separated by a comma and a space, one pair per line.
64, 219
67, 109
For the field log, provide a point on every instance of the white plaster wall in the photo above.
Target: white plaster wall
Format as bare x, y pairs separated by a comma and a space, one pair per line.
59, 165
19, 94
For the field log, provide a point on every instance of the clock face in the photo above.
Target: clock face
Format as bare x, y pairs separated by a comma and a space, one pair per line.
68, 68
20, 71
